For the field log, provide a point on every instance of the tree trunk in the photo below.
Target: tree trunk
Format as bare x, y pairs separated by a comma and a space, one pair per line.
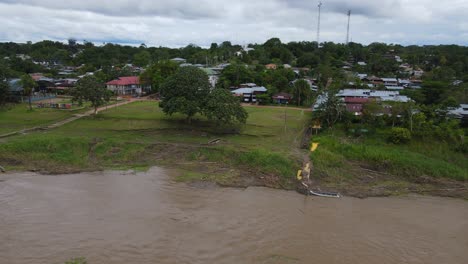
29, 99
95, 110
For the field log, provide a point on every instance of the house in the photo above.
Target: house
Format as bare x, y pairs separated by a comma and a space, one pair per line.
361, 76
287, 66
129, 85
395, 88
249, 94
375, 81
271, 66
418, 73
390, 82
362, 63
460, 113
248, 85
355, 99
282, 98
355, 105
224, 65
213, 76
179, 60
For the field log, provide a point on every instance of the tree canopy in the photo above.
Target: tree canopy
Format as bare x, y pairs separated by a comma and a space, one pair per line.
91, 90
185, 92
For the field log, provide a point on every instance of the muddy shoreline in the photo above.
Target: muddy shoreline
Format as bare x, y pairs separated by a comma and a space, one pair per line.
373, 184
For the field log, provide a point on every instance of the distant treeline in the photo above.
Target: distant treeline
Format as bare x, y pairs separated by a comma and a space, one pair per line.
445, 62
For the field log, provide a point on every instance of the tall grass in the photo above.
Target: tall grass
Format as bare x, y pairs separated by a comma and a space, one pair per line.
395, 159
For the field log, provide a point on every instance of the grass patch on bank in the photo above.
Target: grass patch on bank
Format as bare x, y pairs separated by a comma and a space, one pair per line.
140, 135
407, 161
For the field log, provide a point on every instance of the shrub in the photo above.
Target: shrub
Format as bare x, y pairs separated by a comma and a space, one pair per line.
463, 148
399, 135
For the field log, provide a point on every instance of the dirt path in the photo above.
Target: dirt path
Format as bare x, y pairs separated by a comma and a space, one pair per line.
70, 119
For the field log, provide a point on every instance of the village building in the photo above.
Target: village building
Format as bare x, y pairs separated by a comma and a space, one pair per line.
128, 86
249, 95
213, 76
179, 60
390, 82
282, 98
271, 66
355, 99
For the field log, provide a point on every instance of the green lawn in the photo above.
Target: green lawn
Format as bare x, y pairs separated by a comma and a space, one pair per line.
19, 117
139, 134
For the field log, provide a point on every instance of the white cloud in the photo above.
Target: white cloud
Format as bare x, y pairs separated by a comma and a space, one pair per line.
180, 22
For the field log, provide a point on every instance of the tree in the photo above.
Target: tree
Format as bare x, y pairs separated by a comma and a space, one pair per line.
4, 92
91, 90
223, 108
236, 74
301, 89
142, 58
28, 84
157, 73
185, 92
331, 110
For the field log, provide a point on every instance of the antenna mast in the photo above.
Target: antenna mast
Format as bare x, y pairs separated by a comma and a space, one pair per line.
349, 20
318, 24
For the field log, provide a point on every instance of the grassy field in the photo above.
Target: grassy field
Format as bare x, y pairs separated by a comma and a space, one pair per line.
371, 165
265, 152
18, 117
140, 135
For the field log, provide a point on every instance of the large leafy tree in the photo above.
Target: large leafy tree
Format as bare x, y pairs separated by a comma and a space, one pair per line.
91, 90
157, 73
223, 108
28, 84
185, 92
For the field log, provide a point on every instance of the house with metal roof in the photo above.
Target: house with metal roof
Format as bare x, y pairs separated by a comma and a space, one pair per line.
179, 60
249, 95
213, 75
129, 85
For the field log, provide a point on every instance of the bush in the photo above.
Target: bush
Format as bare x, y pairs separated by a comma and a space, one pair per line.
399, 135
463, 148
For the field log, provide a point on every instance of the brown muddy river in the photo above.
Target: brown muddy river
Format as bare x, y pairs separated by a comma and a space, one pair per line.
118, 217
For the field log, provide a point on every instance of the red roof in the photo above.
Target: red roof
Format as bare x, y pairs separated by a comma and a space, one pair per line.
123, 81
355, 100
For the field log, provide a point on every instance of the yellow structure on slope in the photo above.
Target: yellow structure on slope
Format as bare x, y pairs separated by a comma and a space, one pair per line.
299, 175
314, 147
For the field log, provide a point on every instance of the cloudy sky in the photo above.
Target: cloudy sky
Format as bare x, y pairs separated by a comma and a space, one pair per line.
177, 23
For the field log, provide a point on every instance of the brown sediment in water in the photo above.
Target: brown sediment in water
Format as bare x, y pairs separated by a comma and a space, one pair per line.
128, 217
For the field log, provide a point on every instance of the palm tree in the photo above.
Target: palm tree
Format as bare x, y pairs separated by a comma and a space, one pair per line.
28, 84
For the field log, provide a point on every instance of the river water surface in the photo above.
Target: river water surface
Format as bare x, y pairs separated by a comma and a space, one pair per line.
123, 217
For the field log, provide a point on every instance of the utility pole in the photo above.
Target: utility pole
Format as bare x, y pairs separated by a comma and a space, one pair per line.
347, 33
318, 24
